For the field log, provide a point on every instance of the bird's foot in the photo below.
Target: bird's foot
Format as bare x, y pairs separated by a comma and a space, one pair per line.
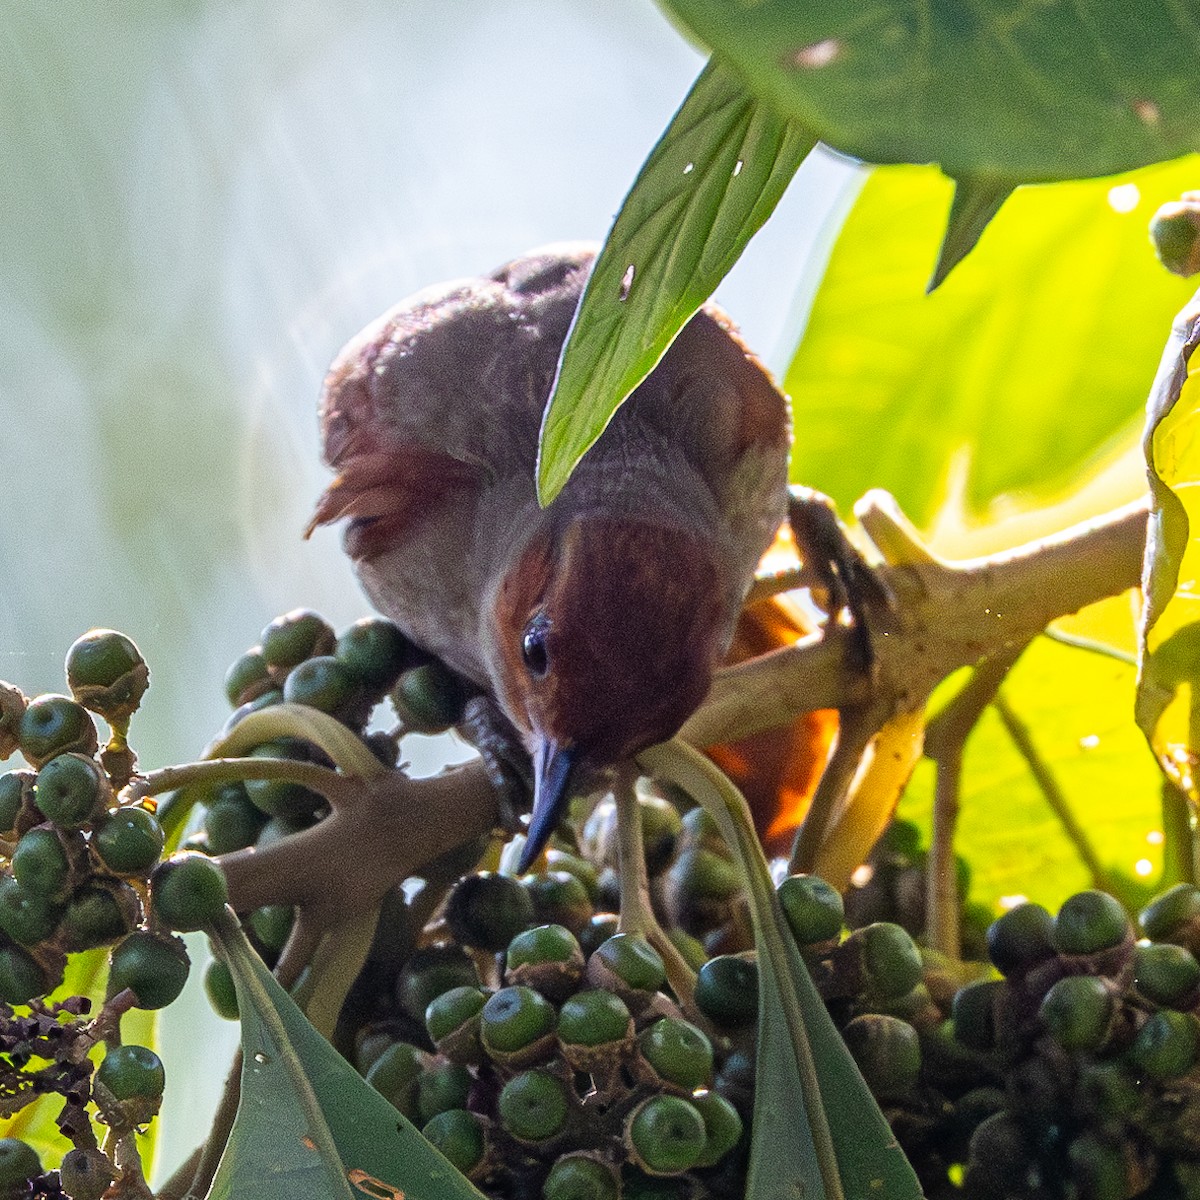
850, 583
505, 759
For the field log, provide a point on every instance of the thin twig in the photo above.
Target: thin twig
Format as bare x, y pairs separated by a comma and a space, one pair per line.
1179, 836
337, 789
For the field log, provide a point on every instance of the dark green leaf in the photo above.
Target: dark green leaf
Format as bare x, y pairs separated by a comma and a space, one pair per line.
308, 1127
991, 89
808, 1090
1028, 367
707, 187
1168, 708
976, 202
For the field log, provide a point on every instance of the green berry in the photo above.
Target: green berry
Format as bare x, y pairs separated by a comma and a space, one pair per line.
394, 1075
1089, 922
295, 636
727, 991
188, 892
132, 1072
16, 793
1169, 910
813, 908
129, 841
579, 1177
55, 725
26, 917
1166, 974
429, 698
1099, 1171
107, 673
248, 678
1107, 1091
488, 910
21, 976
442, 1088
974, 1013
667, 1135
597, 931
1078, 1012
428, 973
560, 860
887, 1051
272, 925
515, 1020
1175, 234
547, 958
593, 1027
722, 1127
533, 1106
70, 790
98, 915
264, 700
453, 1021
281, 797
19, 1163
153, 966
1167, 1045
700, 874
85, 1173
321, 682
891, 961
459, 1136
627, 963
231, 822
1020, 938
559, 898
375, 651
220, 990
40, 863
679, 1053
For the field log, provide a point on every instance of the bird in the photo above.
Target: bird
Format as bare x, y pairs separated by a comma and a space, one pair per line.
596, 622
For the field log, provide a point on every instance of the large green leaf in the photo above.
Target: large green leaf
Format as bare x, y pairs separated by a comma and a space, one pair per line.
707, 187
810, 1098
308, 1126
1026, 367
990, 89
1077, 706
1169, 690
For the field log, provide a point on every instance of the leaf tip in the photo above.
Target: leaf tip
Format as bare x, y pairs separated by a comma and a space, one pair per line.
976, 201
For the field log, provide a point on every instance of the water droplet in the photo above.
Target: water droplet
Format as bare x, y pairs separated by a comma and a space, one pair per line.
819, 54
626, 283
1123, 198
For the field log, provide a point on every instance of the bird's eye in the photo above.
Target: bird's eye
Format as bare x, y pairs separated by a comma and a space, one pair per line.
533, 645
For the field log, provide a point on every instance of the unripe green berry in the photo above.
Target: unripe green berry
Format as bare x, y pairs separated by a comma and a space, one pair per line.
559, 898
580, 1177
231, 821
86, 1173
594, 1028
26, 917
1166, 974
974, 1013
272, 925
56, 725
459, 1136
722, 1127
295, 636
188, 892
1175, 234
129, 840
887, 1051
1078, 1011
626, 964
547, 958
429, 698
813, 908
394, 1075
666, 1135
70, 790
890, 961
132, 1072
597, 931
40, 863
19, 1163
375, 650
678, 1052
98, 915
21, 976
516, 1024
727, 991
1169, 910
1020, 938
428, 973
1089, 922
584, 871
220, 990
107, 673
153, 966
453, 1021
1098, 1170
441, 1088
1167, 1045
16, 792
321, 682
248, 678
533, 1106
488, 910
281, 797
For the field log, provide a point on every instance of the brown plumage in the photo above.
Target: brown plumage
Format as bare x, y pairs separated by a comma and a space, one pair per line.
596, 622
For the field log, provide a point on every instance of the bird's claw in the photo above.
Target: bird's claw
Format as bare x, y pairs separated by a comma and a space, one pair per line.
505, 759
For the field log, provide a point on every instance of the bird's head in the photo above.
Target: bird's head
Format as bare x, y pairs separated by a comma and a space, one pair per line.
603, 638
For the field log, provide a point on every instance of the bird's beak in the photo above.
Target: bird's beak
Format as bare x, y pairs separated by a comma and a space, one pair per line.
552, 766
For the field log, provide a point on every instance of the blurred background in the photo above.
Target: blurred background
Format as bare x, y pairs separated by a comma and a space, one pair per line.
199, 203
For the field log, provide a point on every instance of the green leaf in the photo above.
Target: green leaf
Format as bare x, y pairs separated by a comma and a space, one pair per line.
1077, 707
1027, 367
975, 204
992, 89
705, 190
1168, 707
808, 1090
308, 1126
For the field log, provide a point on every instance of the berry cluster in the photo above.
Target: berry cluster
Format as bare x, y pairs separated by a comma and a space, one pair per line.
83, 871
